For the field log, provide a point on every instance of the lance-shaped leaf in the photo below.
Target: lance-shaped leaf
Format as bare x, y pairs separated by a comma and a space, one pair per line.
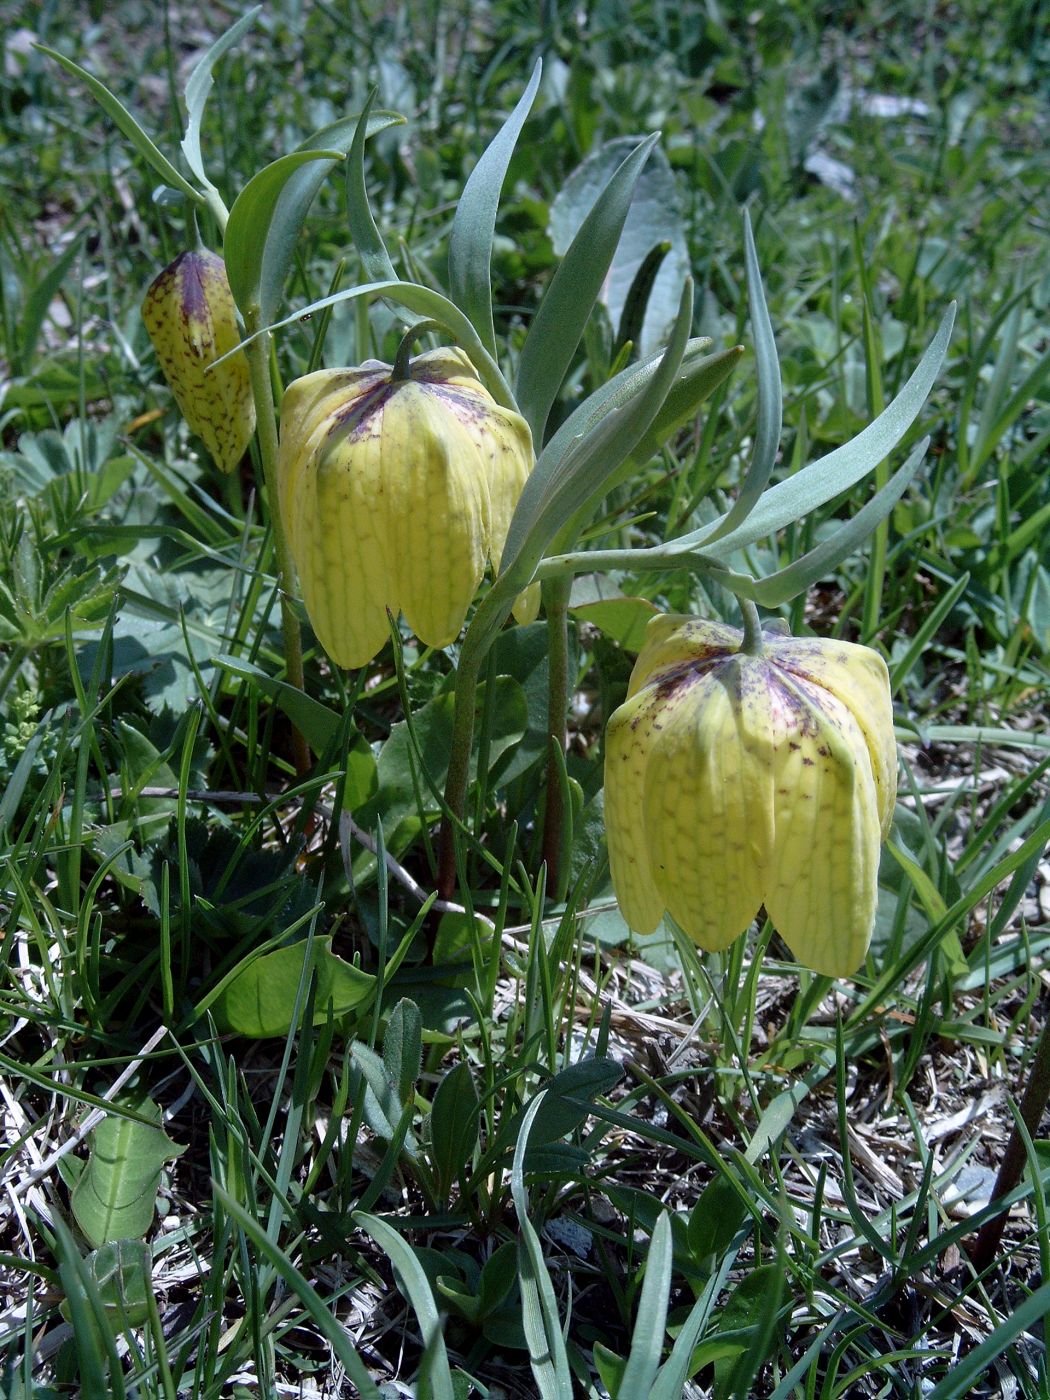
269, 213
123, 119
817, 483
573, 469
818, 562
367, 239
429, 304
559, 322
770, 395
198, 89
470, 242
248, 230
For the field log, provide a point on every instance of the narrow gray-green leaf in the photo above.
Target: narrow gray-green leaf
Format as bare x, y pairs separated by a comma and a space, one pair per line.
539, 1307
573, 471
560, 319
976, 1364
425, 302
647, 1340
300, 191
435, 1377
248, 230
198, 88
770, 394
367, 239
817, 483
334, 1332
115, 109
799, 575
470, 242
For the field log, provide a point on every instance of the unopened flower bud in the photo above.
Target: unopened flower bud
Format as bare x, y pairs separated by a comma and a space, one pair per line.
735, 780
395, 493
189, 314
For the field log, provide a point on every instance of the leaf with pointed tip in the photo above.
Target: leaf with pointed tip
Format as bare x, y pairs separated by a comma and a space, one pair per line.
470, 242
198, 88
563, 313
818, 563
817, 483
116, 110
770, 395
249, 230
574, 468
367, 239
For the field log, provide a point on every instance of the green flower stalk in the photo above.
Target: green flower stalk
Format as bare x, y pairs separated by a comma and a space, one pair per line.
191, 320
749, 769
396, 486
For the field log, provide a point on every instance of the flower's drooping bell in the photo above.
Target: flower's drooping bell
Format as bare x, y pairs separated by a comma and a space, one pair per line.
395, 493
734, 780
191, 320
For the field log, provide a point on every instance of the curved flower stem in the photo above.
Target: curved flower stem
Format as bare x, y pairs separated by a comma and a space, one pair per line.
1033, 1102
556, 604
258, 353
752, 645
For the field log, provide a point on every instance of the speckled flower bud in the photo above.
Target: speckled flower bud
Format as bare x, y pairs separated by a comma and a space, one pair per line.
396, 493
734, 780
189, 314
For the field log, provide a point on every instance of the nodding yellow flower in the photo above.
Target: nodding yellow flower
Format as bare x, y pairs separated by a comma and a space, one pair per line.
191, 320
735, 780
395, 493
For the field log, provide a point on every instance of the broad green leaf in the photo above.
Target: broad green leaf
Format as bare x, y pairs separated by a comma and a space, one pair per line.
752, 1307
558, 324
817, 483
123, 1272
453, 1126
573, 471
247, 248
383, 1107
258, 1000
120, 115
641, 305
770, 395
435, 1379
622, 619
568, 1097
198, 88
647, 1340
115, 1196
715, 1218
470, 241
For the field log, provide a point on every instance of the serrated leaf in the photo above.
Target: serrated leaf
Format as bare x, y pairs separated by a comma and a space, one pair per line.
470, 241
114, 1198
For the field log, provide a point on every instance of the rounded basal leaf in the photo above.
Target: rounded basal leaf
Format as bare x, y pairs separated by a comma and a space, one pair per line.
395, 494
190, 317
735, 780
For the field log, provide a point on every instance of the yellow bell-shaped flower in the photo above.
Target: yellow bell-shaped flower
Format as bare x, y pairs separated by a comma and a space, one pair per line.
736, 779
191, 320
395, 493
